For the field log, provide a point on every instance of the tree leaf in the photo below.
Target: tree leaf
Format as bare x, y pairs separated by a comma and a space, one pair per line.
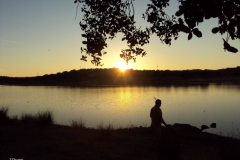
184, 28
197, 33
175, 27
228, 47
124, 38
84, 58
179, 12
190, 36
232, 49
215, 30
84, 35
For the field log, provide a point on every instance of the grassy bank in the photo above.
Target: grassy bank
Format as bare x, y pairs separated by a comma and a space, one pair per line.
41, 118
36, 136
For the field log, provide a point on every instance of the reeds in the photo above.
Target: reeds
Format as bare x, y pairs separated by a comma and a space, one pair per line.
105, 131
27, 118
78, 124
4, 119
45, 118
4, 112
42, 118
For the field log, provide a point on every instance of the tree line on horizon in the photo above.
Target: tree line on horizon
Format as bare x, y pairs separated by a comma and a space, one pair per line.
129, 76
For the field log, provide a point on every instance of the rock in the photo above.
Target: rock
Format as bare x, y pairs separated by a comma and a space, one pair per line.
204, 127
213, 125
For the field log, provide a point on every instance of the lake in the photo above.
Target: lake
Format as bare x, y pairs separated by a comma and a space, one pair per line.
128, 106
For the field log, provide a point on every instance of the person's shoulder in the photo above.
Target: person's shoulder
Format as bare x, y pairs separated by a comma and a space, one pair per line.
153, 108
158, 109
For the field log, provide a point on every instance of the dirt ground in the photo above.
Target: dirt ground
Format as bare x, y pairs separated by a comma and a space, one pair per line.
29, 142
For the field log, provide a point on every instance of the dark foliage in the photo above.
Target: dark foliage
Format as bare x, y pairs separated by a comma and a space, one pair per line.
101, 77
103, 19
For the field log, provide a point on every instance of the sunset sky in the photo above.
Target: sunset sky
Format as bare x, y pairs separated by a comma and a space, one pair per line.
42, 37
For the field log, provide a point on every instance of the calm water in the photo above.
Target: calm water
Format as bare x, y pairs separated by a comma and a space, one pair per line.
125, 106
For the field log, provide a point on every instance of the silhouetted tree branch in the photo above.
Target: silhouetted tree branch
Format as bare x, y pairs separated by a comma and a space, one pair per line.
103, 19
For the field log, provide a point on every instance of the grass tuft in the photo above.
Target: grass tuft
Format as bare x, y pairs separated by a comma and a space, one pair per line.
106, 132
42, 118
28, 118
4, 112
78, 124
45, 118
4, 119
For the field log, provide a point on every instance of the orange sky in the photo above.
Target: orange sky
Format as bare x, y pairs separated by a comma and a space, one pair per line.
43, 37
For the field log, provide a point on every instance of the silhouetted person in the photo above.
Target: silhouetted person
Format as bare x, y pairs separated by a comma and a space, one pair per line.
157, 119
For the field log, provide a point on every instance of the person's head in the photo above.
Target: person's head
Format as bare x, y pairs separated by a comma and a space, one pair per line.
158, 103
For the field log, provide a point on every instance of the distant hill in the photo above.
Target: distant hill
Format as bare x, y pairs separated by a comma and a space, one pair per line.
113, 76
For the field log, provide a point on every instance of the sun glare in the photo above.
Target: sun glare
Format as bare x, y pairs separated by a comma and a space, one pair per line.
123, 66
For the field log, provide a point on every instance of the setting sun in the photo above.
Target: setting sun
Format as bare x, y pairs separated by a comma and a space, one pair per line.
123, 66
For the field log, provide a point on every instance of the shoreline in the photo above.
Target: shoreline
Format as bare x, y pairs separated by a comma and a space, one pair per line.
38, 137
65, 142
